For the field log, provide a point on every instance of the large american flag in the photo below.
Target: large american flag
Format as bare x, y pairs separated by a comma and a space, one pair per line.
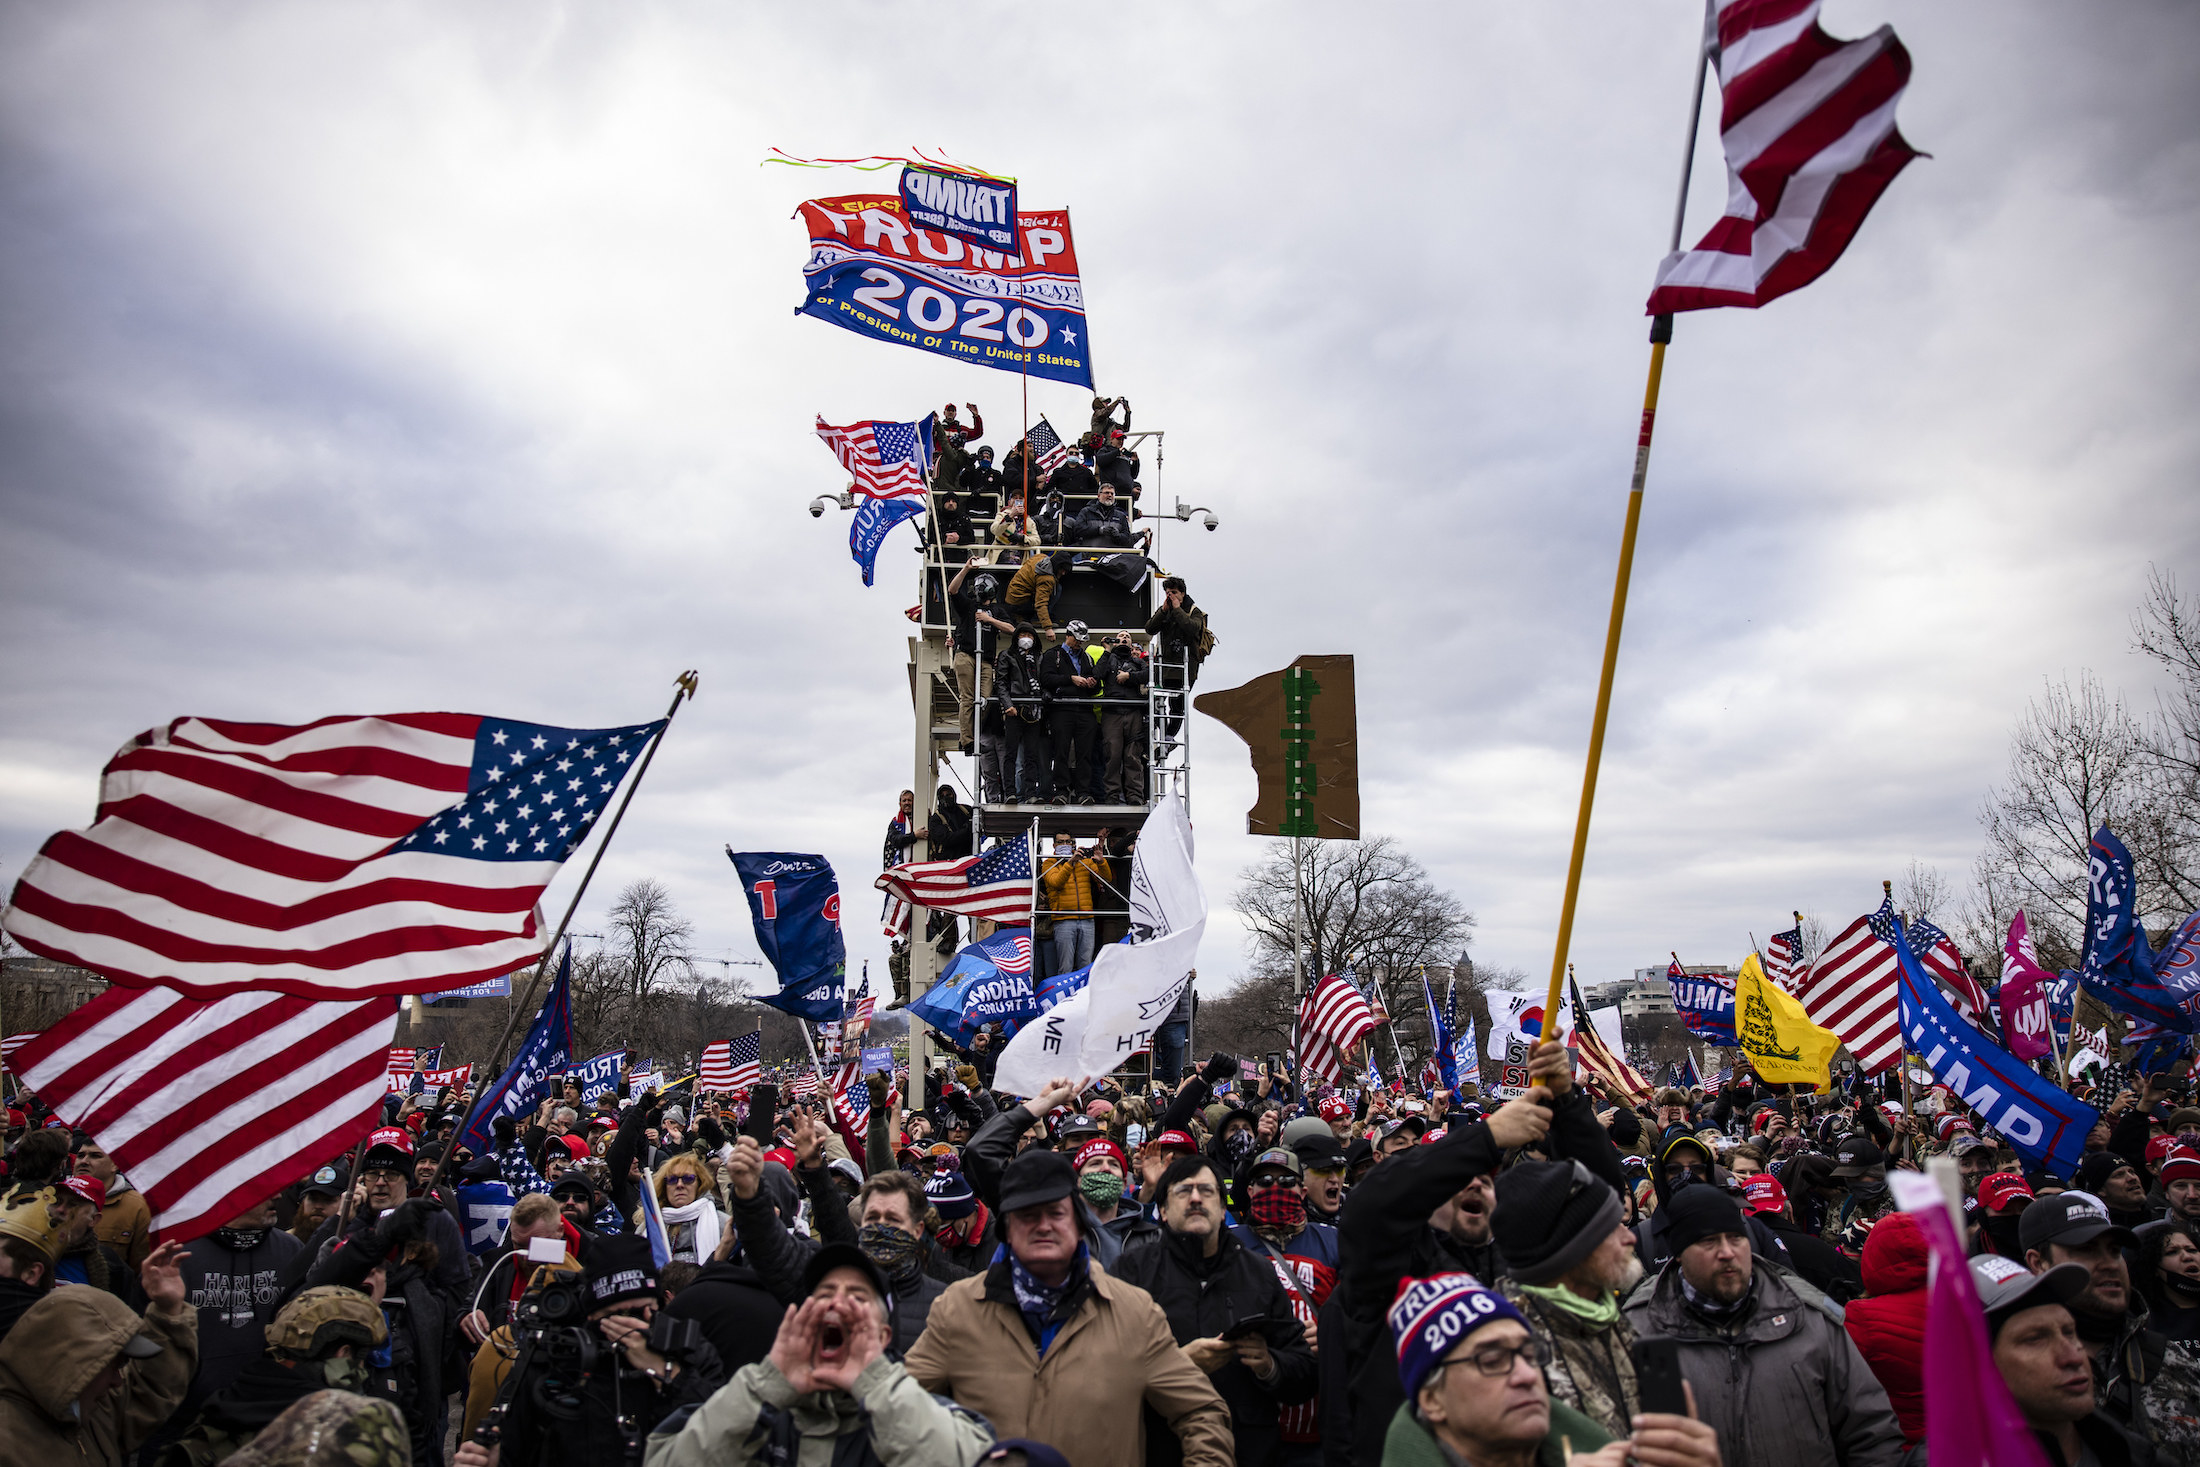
732, 1064
1610, 1072
212, 1105
995, 885
886, 460
1854, 990
1941, 958
1332, 1018
396, 853
1807, 123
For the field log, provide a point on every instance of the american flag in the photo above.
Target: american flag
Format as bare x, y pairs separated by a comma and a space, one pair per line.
805, 1083
1854, 990
1332, 1018
1941, 958
211, 1105
399, 853
402, 1063
1808, 126
1720, 1081
732, 1064
1047, 449
995, 885
1608, 1071
887, 460
14, 1042
1784, 958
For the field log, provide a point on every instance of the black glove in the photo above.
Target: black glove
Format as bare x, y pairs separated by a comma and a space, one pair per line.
407, 1222
505, 1129
1220, 1067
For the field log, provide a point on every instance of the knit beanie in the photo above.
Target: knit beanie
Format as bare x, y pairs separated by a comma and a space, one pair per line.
950, 1195
1696, 1213
1429, 1317
2096, 1169
1551, 1215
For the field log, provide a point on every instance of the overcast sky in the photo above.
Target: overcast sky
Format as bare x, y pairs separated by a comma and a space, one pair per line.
367, 358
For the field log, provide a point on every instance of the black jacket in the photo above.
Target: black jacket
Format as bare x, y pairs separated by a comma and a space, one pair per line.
16, 1298
1074, 480
1102, 524
981, 486
1823, 1266
1057, 666
1204, 1297
1132, 692
950, 832
1117, 466
1016, 680
584, 1428
1182, 633
737, 1314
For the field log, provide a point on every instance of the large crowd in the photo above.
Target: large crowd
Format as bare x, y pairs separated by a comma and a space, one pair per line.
1223, 1269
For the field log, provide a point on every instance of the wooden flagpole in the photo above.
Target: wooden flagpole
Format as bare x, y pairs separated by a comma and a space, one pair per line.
1661, 332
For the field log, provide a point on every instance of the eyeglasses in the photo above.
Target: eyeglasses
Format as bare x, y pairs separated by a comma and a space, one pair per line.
671, 1182
1496, 1360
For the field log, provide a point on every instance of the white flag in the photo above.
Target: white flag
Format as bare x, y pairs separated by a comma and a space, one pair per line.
1134, 985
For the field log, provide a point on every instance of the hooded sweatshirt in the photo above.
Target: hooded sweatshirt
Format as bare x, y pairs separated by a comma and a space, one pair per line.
56, 1350
236, 1293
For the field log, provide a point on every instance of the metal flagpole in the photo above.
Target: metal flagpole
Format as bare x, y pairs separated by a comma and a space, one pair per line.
685, 690
1661, 332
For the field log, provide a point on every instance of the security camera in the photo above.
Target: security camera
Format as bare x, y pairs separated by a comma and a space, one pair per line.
1211, 522
817, 509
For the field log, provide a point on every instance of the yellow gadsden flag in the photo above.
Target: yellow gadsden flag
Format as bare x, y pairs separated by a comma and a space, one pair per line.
1783, 1045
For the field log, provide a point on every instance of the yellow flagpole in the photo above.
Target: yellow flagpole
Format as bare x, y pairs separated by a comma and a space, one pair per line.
1661, 332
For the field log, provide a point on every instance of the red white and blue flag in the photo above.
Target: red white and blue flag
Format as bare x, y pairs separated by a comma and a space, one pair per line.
1807, 123
996, 886
397, 853
1332, 1018
732, 1064
886, 460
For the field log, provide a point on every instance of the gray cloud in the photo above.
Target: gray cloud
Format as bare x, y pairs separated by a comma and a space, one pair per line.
375, 358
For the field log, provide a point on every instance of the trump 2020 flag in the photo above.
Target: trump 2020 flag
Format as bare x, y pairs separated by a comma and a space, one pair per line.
794, 903
970, 206
2119, 967
597, 1076
485, 1210
546, 1051
2045, 1123
987, 982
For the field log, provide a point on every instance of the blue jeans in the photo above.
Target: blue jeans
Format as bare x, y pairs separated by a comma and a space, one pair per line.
1072, 943
1168, 1049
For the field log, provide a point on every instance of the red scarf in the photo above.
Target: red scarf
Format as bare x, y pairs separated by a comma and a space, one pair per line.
976, 1222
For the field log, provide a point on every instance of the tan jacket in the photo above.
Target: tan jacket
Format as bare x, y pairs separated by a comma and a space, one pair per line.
126, 1225
53, 1353
1114, 1354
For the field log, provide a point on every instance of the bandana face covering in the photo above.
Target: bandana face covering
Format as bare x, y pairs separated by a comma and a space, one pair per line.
1280, 1208
1237, 1146
1101, 1187
895, 1252
240, 1240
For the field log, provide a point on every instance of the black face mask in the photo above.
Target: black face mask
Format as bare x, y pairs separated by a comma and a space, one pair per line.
240, 1240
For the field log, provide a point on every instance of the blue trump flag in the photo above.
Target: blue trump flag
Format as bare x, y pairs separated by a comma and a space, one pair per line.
2119, 968
2045, 1123
1705, 1002
874, 518
1447, 1061
969, 206
987, 982
794, 902
546, 1051
485, 1213
597, 1077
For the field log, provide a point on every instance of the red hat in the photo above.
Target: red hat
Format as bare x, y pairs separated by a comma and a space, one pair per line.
578, 1145
91, 1189
1998, 1192
1172, 1141
389, 1138
783, 1155
1764, 1192
417, 1122
16, 1119
1948, 1125
2181, 1165
1432, 1137
1334, 1109
2158, 1148
1100, 1146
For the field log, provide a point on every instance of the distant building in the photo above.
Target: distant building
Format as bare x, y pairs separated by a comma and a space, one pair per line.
34, 992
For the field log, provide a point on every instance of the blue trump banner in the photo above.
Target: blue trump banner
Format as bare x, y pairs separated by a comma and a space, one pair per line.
987, 982
2045, 1123
794, 902
969, 206
546, 1051
874, 518
597, 1077
485, 1212
871, 270
1447, 1059
1705, 1003
2119, 968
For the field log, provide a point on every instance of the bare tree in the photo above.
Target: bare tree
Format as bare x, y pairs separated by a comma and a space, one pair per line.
1923, 894
2076, 763
2167, 630
1370, 906
649, 940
